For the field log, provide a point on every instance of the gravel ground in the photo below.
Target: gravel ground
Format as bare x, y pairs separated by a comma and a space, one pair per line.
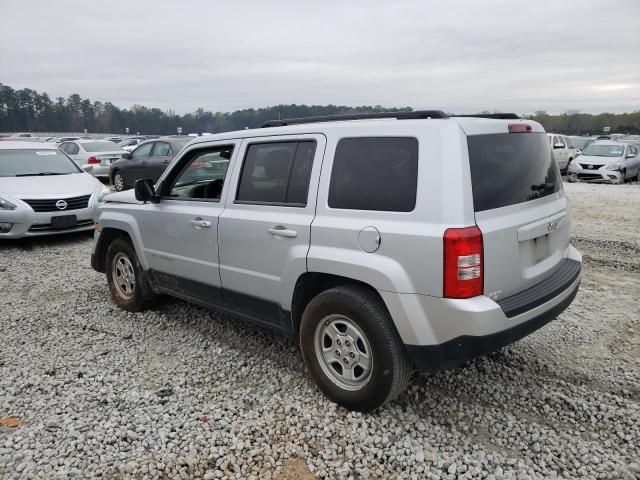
179, 392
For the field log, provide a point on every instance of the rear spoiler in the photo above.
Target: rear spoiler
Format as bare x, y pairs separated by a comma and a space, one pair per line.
496, 116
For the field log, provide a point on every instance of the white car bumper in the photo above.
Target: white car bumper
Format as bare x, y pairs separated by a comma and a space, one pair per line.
35, 217
585, 173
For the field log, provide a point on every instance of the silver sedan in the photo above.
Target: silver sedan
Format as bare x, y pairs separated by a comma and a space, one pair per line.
43, 192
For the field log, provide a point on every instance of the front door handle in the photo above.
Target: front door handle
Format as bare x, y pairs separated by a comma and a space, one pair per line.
281, 231
198, 223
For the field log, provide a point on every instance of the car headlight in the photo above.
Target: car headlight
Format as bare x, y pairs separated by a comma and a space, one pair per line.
6, 204
613, 166
104, 191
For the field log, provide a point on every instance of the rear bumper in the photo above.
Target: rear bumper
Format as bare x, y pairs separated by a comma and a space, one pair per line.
429, 357
440, 331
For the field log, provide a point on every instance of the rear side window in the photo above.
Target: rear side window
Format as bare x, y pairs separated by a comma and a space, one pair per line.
511, 168
375, 173
277, 173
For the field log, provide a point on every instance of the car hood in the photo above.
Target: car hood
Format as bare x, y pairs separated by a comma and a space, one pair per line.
589, 160
128, 196
49, 185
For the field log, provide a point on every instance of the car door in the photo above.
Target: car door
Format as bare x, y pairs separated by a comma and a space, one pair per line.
264, 231
159, 160
180, 232
560, 151
137, 166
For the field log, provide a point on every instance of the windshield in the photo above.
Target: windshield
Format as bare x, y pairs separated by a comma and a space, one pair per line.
23, 163
604, 150
100, 147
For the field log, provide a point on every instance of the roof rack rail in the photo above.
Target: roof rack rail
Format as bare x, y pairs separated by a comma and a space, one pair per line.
498, 116
418, 114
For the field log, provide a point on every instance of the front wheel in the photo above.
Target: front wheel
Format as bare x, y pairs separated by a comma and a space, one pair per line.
118, 181
126, 279
352, 349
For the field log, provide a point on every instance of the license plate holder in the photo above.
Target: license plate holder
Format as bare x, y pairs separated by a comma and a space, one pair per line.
64, 221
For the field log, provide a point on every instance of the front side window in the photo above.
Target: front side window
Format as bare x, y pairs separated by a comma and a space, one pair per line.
277, 173
375, 173
202, 176
142, 150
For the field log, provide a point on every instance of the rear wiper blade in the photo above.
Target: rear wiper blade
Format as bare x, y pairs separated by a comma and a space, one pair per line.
38, 174
542, 186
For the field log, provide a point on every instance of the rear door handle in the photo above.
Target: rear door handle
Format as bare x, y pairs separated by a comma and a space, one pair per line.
281, 231
198, 223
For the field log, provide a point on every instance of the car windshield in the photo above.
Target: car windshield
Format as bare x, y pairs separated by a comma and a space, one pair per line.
604, 150
100, 147
581, 143
26, 163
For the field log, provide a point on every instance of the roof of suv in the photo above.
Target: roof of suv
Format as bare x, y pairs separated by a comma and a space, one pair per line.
471, 125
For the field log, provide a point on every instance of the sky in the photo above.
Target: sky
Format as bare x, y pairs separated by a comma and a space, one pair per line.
456, 56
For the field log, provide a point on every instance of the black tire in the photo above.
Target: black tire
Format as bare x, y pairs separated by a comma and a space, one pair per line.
623, 175
119, 186
391, 366
141, 296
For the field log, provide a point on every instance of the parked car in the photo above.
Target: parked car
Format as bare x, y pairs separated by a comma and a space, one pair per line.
148, 160
42, 191
563, 150
581, 143
381, 246
607, 161
93, 156
130, 143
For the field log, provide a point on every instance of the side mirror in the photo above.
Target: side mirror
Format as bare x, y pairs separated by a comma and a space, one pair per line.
630, 155
145, 191
126, 155
558, 145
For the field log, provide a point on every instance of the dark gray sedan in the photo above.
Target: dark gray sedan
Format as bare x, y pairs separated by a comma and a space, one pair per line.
148, 160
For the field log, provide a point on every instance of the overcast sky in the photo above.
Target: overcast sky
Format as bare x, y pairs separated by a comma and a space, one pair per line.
457, 56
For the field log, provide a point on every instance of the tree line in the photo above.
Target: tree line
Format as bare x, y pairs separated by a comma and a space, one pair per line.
30, 111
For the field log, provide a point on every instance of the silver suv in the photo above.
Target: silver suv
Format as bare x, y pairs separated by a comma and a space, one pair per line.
382, 243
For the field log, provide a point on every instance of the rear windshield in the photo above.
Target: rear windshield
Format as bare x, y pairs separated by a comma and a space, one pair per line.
100, 147
511, 168
27, 163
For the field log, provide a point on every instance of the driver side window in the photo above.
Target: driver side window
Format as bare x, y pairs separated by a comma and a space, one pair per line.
202, 176
142, 151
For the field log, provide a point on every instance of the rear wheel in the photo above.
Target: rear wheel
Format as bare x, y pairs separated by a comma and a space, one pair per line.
118, 181
352, 350
126, 279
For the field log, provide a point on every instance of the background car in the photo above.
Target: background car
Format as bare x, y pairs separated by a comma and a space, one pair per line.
43, 192
607, 161
148, 160
130, 143
581, 142
563, 150
94, 156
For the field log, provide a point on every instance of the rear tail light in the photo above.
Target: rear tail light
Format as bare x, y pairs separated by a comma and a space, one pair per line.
93, 160
463, 262
519, 128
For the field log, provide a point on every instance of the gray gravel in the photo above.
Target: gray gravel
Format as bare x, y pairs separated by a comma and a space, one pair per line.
179, 392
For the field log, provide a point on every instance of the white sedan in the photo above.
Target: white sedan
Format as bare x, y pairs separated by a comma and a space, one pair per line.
42, 191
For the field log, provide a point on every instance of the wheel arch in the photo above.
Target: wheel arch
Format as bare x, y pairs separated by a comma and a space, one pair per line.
310, 284
116, 225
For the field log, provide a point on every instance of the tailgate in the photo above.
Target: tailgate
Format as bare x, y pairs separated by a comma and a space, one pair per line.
520, 208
